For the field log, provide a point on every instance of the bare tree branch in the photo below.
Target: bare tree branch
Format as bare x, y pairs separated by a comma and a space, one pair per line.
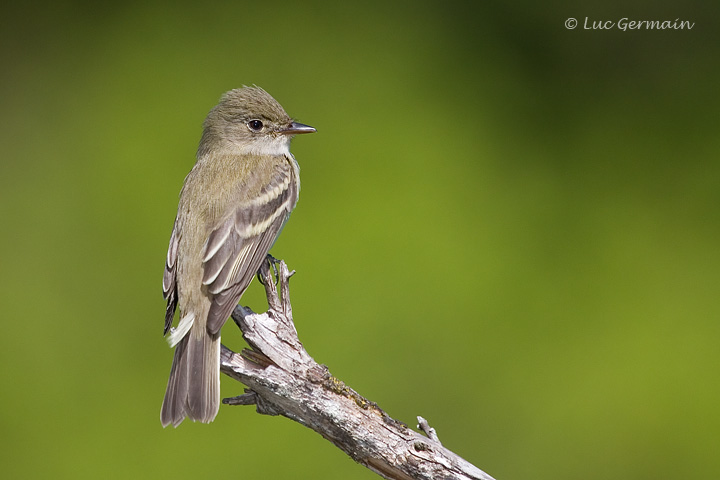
282, 379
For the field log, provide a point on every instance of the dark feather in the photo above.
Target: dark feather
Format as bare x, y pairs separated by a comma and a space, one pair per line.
173, 408
169, 280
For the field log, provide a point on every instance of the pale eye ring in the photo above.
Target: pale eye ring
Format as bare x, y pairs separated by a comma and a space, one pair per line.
255, 125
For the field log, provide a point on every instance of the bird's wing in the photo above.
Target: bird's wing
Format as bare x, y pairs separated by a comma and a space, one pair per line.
235, 250
169, 279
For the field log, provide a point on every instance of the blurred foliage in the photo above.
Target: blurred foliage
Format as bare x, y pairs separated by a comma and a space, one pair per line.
506, 226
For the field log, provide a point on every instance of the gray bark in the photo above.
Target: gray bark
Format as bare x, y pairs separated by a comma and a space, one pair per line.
282, 379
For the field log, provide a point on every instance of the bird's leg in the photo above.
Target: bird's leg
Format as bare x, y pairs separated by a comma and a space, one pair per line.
273, 263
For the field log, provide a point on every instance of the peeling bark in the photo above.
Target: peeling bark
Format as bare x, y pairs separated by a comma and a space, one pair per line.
282, 379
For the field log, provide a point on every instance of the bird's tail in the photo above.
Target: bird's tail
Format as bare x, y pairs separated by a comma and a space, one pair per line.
193, 388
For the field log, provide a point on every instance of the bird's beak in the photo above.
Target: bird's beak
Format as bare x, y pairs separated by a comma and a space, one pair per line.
296, 128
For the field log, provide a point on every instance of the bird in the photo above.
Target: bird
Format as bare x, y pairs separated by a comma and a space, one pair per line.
233, 205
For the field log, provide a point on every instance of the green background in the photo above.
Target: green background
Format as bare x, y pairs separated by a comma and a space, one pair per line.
507, 227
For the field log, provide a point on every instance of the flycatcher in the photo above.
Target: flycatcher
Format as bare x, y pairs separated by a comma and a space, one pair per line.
233, 205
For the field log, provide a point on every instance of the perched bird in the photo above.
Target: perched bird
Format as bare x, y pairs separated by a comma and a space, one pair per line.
233, 205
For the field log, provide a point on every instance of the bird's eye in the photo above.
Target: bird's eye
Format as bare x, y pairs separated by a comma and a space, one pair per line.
255, 125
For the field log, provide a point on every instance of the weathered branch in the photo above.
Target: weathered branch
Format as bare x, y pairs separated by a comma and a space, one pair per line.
282, 379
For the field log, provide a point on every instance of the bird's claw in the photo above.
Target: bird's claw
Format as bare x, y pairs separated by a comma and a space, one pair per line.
273, 263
